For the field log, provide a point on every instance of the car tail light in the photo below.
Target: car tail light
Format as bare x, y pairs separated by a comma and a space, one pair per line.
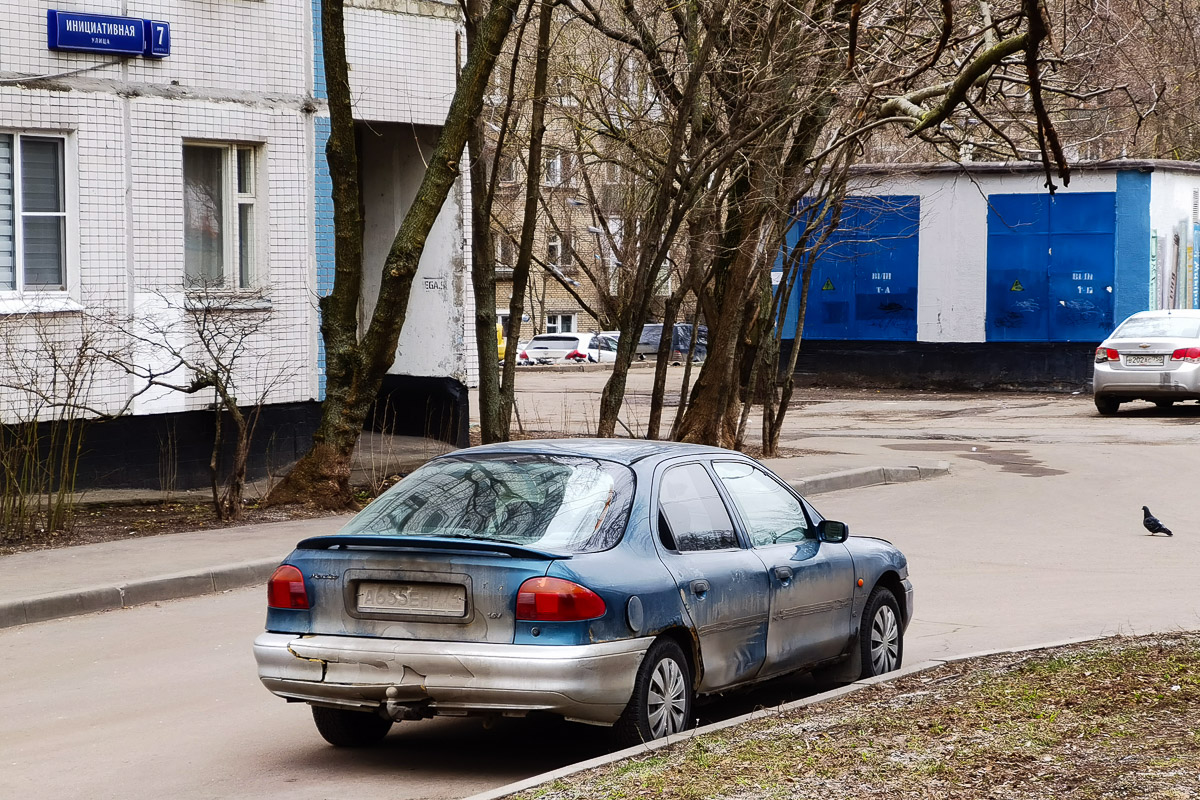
575, 354
1190, 354
524, 356
557, 600
1106, 354
286, 588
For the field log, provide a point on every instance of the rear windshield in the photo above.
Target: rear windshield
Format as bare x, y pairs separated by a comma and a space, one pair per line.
570, 341
1172, 327
575, 505
651, 334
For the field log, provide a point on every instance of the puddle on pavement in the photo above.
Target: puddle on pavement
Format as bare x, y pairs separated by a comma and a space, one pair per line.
1015, 461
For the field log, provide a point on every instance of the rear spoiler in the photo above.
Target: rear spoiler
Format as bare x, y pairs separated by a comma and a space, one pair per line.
425, 543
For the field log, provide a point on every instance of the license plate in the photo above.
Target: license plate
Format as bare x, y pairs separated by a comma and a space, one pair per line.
426, 599
1143, 361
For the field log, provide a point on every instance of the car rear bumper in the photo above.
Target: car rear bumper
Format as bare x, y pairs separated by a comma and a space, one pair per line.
591, 683
1180, 383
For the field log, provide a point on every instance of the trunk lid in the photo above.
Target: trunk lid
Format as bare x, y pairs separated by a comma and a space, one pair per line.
407, 588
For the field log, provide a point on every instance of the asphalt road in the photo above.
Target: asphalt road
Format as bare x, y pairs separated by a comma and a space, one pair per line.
1035, 537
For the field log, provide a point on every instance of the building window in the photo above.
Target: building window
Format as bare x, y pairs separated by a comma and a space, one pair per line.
560, 323
33, 213
219, 193
554, 250
508, 169
552, 168
505, 249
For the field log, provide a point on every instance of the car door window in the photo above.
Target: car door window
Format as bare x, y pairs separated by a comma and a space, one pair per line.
691, 514
772, 514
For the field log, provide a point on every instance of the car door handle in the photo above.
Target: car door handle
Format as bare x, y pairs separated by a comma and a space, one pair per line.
699, 588
784, 574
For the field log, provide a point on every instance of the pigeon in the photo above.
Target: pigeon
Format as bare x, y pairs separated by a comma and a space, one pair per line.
1152, 524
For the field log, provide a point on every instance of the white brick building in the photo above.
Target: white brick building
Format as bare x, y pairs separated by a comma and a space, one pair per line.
140, 187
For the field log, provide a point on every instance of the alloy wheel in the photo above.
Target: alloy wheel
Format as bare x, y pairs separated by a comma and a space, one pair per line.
885, 641
666, 700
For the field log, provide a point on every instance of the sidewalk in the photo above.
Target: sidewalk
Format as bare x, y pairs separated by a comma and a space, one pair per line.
49, 584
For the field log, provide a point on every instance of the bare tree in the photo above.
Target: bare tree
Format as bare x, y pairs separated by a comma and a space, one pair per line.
203, 340
785, 93
356, 361
50, 376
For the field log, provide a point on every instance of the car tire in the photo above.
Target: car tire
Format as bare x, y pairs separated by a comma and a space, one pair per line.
343, 728
662, 697
880, 635
1107, 406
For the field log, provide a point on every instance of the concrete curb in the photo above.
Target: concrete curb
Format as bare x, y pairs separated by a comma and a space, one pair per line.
175, 586
125, 595
867, 476
658, 744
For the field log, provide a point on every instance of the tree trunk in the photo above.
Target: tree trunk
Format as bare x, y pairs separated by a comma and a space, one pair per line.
355, 368
483, 267
665, 344
533, 188
712, 415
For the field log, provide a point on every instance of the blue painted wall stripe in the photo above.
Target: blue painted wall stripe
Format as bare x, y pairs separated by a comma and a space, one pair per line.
322, 190
1133, 244
318, 57
324, 232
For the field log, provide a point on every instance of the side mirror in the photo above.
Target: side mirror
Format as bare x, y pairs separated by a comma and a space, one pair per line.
829, 530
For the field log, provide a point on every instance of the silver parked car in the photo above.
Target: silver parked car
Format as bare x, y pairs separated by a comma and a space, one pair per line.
1153, 355
605, 581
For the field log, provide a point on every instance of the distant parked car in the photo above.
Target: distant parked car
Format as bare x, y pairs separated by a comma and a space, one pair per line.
553, 348
603, 347
566, 348
681, 342
606, 581
1153, 355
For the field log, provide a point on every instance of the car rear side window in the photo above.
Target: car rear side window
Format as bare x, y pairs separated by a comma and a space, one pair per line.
1172, 327
576, 505
691, 514
772, 514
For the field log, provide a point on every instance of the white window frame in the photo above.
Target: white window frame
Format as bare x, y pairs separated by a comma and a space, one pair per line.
552, 167
554, 323
554, 250
234, 275
20, 297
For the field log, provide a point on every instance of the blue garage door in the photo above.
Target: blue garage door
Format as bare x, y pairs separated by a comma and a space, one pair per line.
1050, 267
864, 284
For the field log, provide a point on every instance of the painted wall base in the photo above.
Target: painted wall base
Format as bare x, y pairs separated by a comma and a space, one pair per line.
172, 451
945, 365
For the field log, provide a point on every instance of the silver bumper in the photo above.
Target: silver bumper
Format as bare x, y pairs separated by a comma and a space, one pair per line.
1182, 379
591, 683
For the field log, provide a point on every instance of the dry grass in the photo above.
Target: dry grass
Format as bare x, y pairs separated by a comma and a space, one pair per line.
1114, 719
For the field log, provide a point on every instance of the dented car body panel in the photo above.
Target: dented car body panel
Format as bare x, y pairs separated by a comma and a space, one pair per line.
416, 620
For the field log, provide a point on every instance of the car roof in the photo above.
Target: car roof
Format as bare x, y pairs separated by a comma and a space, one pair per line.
1169, 312
624, 451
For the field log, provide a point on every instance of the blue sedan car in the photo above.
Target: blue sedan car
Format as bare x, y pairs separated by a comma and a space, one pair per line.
609, 582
